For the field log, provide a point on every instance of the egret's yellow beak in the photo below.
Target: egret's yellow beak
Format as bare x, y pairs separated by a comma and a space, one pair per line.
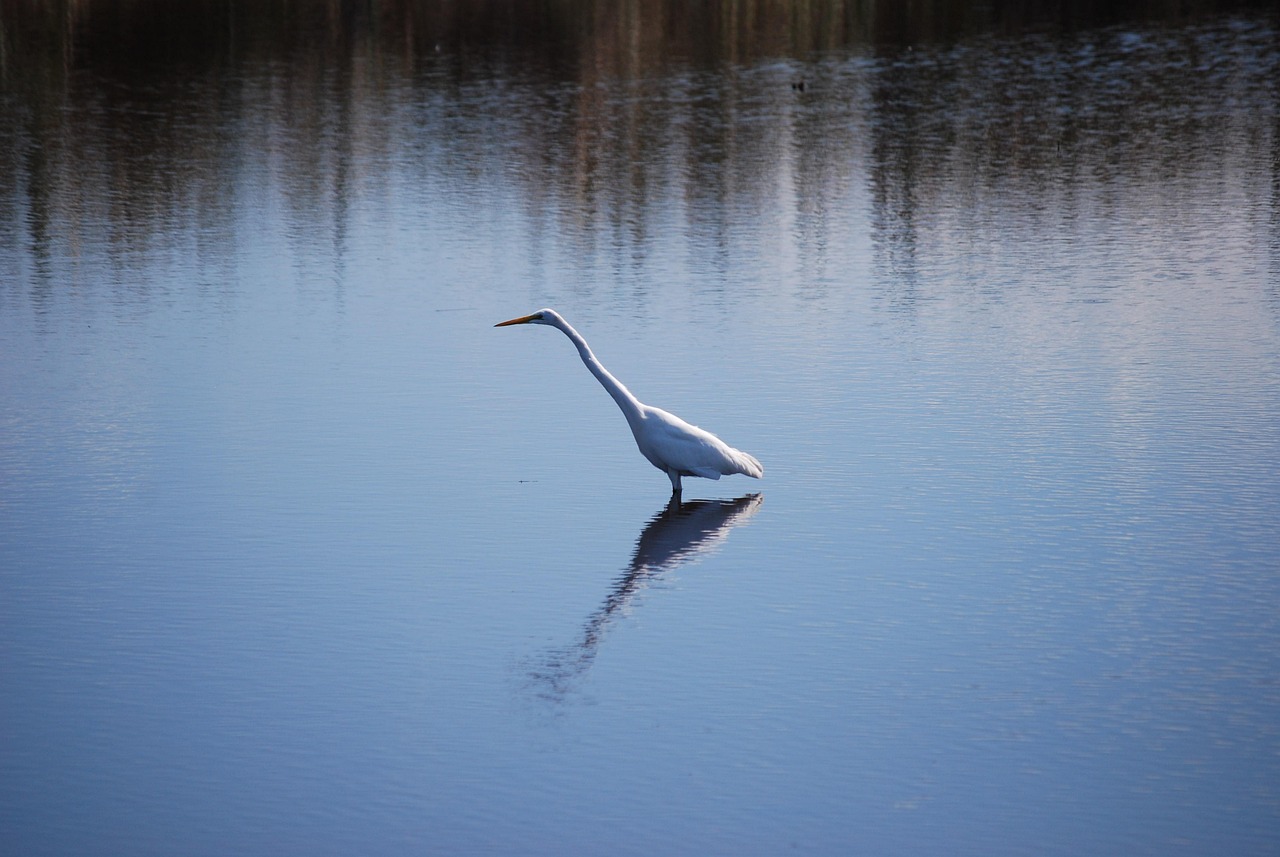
524, 319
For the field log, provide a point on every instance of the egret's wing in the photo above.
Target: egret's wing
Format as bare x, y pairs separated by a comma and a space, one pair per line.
693, 450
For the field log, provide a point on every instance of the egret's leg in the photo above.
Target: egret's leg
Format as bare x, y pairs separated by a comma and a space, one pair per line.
675, 482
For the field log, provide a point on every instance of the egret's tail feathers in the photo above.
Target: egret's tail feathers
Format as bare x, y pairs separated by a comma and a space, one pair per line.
747, 464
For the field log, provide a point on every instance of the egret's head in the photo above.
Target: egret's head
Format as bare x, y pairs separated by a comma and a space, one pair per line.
542, 316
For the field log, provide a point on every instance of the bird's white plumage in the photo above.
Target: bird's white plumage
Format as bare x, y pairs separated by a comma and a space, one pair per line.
670, 444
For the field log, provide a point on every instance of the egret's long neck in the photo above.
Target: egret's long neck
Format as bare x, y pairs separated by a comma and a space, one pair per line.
629, 404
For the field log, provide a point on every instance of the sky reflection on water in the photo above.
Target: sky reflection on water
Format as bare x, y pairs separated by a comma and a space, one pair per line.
294, 548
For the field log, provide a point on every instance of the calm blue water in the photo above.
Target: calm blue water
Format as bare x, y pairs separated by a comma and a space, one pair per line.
298, 554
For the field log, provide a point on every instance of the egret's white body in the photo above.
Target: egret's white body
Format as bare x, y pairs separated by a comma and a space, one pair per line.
669, 443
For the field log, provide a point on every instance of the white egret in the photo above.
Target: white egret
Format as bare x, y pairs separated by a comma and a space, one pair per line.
672, 445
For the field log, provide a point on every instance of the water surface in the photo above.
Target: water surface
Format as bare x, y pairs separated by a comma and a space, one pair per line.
298, 553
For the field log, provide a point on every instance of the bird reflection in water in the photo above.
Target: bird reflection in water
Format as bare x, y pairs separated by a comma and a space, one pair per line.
681, 533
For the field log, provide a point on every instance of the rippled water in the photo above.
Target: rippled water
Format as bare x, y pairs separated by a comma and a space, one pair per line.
299, 554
